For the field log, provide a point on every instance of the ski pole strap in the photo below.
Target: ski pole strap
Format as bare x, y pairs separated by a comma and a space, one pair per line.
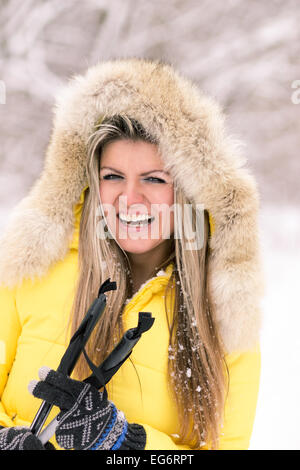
83, 333
107, 286
144, 324
97, 379
103, 373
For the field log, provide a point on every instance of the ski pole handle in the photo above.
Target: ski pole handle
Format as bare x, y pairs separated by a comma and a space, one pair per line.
110, 365
71, 356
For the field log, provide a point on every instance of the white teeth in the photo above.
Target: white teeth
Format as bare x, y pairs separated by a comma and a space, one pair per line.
134, 218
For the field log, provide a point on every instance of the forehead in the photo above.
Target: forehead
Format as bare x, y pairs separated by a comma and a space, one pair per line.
131, 155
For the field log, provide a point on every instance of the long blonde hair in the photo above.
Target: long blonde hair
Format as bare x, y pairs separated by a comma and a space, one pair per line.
196, 365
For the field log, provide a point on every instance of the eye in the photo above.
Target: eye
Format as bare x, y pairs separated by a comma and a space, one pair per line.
111, 177
153, 179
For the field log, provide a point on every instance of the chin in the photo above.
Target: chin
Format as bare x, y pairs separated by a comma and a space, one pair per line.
139, 246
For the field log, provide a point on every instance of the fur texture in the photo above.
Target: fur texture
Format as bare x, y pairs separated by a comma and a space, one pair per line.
203, 160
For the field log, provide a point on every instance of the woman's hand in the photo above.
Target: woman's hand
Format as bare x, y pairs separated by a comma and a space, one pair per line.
88, 420
20, 438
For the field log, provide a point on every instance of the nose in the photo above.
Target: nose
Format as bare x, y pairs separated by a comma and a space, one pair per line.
132, 194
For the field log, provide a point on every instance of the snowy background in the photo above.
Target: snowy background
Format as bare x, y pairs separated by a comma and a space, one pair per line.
246, 55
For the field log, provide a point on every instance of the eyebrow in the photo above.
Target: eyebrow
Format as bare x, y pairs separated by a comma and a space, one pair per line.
142, 174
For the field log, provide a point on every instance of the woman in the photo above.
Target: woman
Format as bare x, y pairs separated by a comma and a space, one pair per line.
140, 185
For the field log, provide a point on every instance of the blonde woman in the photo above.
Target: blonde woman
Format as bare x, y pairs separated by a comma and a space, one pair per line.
140, 185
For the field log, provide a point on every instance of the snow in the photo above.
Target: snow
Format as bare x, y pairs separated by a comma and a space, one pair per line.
278, 412
161, 273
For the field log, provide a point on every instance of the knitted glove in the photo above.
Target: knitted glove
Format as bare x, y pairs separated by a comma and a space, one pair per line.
20, 438
88, 420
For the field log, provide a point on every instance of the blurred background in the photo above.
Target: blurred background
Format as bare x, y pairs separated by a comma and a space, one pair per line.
246, 55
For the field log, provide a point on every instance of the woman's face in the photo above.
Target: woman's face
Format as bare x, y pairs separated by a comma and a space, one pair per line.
136, 195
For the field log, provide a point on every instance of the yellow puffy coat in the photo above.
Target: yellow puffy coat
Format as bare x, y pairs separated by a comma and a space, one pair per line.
34, 319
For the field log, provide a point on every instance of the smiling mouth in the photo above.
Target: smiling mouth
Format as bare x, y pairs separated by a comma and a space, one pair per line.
135, 221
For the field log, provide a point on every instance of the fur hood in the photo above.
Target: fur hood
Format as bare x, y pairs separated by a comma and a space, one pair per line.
203, 160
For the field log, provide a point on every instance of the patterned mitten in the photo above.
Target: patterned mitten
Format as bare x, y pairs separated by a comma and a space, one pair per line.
88, 420
20, 438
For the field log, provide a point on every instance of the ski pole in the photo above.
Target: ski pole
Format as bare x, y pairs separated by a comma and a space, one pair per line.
103, 373
75, 347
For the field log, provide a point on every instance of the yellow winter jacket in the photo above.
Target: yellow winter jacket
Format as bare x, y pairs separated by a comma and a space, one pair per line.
33, 325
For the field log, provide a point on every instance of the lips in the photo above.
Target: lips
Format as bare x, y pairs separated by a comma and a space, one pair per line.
135, 220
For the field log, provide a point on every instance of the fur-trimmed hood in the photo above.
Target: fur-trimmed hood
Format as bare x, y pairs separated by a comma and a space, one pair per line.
202, 159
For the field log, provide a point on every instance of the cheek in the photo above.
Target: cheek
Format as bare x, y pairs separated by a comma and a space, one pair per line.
162, 195
162, 207
108, 195
107, 192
